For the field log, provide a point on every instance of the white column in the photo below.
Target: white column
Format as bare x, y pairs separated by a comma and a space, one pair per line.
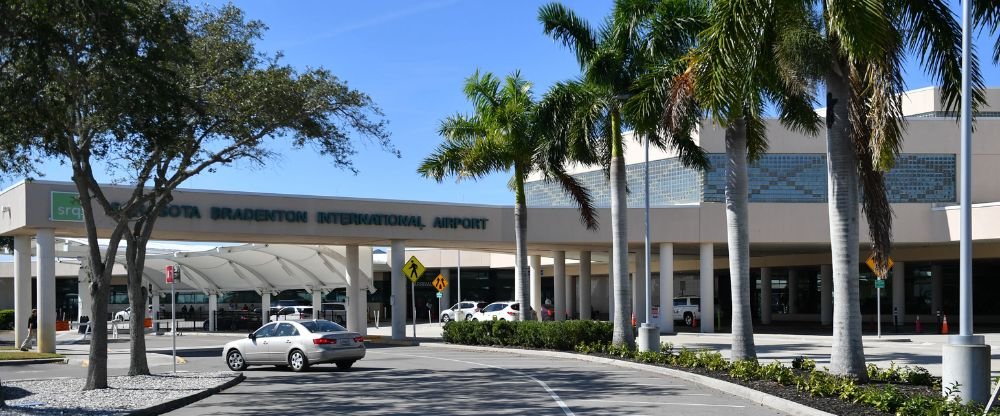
937, 283
265, 306
22, 287
583, 286
213, 307
46, 291
765, 295
83, 297
707, 294
352, 271
535, 268
398, 284
793, 290
317, 298
571, 311
899, 291
559, 284
666, 288
640, 286
826, 294
446, 300
155, 295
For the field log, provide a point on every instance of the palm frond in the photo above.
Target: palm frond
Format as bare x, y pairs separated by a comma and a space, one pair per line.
563, 25
986, 14
580, 195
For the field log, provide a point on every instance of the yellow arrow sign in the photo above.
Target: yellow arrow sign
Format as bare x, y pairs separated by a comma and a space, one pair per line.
440, 282
413, 269
871, 265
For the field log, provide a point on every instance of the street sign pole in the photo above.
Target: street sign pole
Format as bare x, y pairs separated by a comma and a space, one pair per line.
458, 315
878, 306
173, 315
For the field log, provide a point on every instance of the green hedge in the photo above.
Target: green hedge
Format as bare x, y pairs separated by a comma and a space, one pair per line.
6, 318
563, 336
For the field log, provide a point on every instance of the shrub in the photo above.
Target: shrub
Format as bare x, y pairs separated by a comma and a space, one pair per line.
563, 336
803, 363
745, 370
778, 373
6, 318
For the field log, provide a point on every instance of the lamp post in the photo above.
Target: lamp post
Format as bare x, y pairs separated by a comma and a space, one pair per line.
965, 359
649, 334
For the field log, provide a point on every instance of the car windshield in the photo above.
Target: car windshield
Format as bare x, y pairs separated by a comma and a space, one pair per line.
695, 301
322, 326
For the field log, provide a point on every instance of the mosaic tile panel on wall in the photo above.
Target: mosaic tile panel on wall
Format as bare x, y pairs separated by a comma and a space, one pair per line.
924, 178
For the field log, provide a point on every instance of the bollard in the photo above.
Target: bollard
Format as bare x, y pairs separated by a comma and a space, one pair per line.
917, 326
944, 325
895, 319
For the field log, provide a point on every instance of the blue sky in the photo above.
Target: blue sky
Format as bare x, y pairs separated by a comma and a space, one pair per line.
411, 57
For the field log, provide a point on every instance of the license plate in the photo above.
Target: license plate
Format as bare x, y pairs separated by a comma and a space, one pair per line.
347, 341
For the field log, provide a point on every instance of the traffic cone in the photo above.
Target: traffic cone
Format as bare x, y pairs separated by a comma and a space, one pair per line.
944, 325
694, 322
633, 318
917, 326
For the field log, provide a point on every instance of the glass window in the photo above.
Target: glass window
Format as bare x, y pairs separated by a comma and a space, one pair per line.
265, 331
466, 305
680, 302
515, 306
322, 326
306, 311
696, 301
286, 330
285, 311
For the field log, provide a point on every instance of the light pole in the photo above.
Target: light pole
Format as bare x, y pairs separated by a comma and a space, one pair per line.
965, 359
649, 334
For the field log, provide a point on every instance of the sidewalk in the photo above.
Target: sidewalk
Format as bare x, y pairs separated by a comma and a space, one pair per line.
922, 350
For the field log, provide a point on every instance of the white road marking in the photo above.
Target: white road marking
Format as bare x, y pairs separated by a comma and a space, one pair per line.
666, 403
562, 405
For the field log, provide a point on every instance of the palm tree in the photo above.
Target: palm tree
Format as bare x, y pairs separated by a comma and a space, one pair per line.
505, 134
592, 112
864, 44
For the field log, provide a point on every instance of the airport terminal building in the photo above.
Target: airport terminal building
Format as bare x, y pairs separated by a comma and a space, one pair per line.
323, 249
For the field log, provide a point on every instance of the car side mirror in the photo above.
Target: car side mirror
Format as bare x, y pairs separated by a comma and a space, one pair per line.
252, 336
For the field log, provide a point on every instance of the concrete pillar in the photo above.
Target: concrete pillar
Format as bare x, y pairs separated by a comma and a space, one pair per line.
535, 268
265, 306
583, 286
899, 291
46, 292
640, 287
666, 288
154, 295
213, 308
826, 294
707, 276
22, 287
937, 283
765, 295
793, 290
559, 285
365, 285
398, 283
446, 300
317, 302
352, 272
571, 311
83, 297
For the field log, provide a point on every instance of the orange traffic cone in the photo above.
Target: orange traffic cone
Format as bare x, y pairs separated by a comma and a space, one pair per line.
917, 326
944, 325
633, 318
694, 322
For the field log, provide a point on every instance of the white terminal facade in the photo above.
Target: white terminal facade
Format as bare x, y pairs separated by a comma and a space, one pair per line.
320, 249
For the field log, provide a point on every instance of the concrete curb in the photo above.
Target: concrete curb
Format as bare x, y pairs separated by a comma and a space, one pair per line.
184, 401
754, 396
35, 361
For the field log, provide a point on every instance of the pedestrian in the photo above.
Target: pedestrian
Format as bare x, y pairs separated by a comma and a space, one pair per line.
32, 330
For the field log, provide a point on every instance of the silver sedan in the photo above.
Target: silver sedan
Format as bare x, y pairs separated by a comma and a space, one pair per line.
296, 344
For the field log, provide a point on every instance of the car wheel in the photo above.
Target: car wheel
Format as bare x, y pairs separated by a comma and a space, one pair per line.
688, 319
468, 317
235, 361
445, 318
474, 319
344, 365
297, 361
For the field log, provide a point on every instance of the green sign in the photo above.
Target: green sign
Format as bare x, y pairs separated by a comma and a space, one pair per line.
66, 207
439, 295
880, 283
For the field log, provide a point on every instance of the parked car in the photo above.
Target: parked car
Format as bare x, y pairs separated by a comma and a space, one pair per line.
467, 307
126, 314
292, 313
687, 308
234, 320
296, 344
504, 311
336, 311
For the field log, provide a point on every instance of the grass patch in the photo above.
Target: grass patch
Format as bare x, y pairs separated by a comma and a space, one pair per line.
8, 354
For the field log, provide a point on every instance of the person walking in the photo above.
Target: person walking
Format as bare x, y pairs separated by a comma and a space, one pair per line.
32, 330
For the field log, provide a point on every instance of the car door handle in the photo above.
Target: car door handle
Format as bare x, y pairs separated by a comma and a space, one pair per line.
288, 341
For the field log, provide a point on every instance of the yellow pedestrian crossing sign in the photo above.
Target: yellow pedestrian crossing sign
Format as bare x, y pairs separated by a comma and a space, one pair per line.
413, 269
440, 282
871, 265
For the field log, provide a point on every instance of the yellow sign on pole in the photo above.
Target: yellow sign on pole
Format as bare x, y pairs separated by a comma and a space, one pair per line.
413, 269
440, 282
871, 265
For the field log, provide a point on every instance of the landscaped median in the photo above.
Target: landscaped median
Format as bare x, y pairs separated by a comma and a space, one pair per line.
14, 356
893, 390
131, 395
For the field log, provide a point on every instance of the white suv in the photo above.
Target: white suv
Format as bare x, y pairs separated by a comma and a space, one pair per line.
289, 313
468, 308
687, 308
503, 311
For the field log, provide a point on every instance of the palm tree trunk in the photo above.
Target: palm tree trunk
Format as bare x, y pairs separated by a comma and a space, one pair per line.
622, 334
521, 282
848, 355
737, 222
